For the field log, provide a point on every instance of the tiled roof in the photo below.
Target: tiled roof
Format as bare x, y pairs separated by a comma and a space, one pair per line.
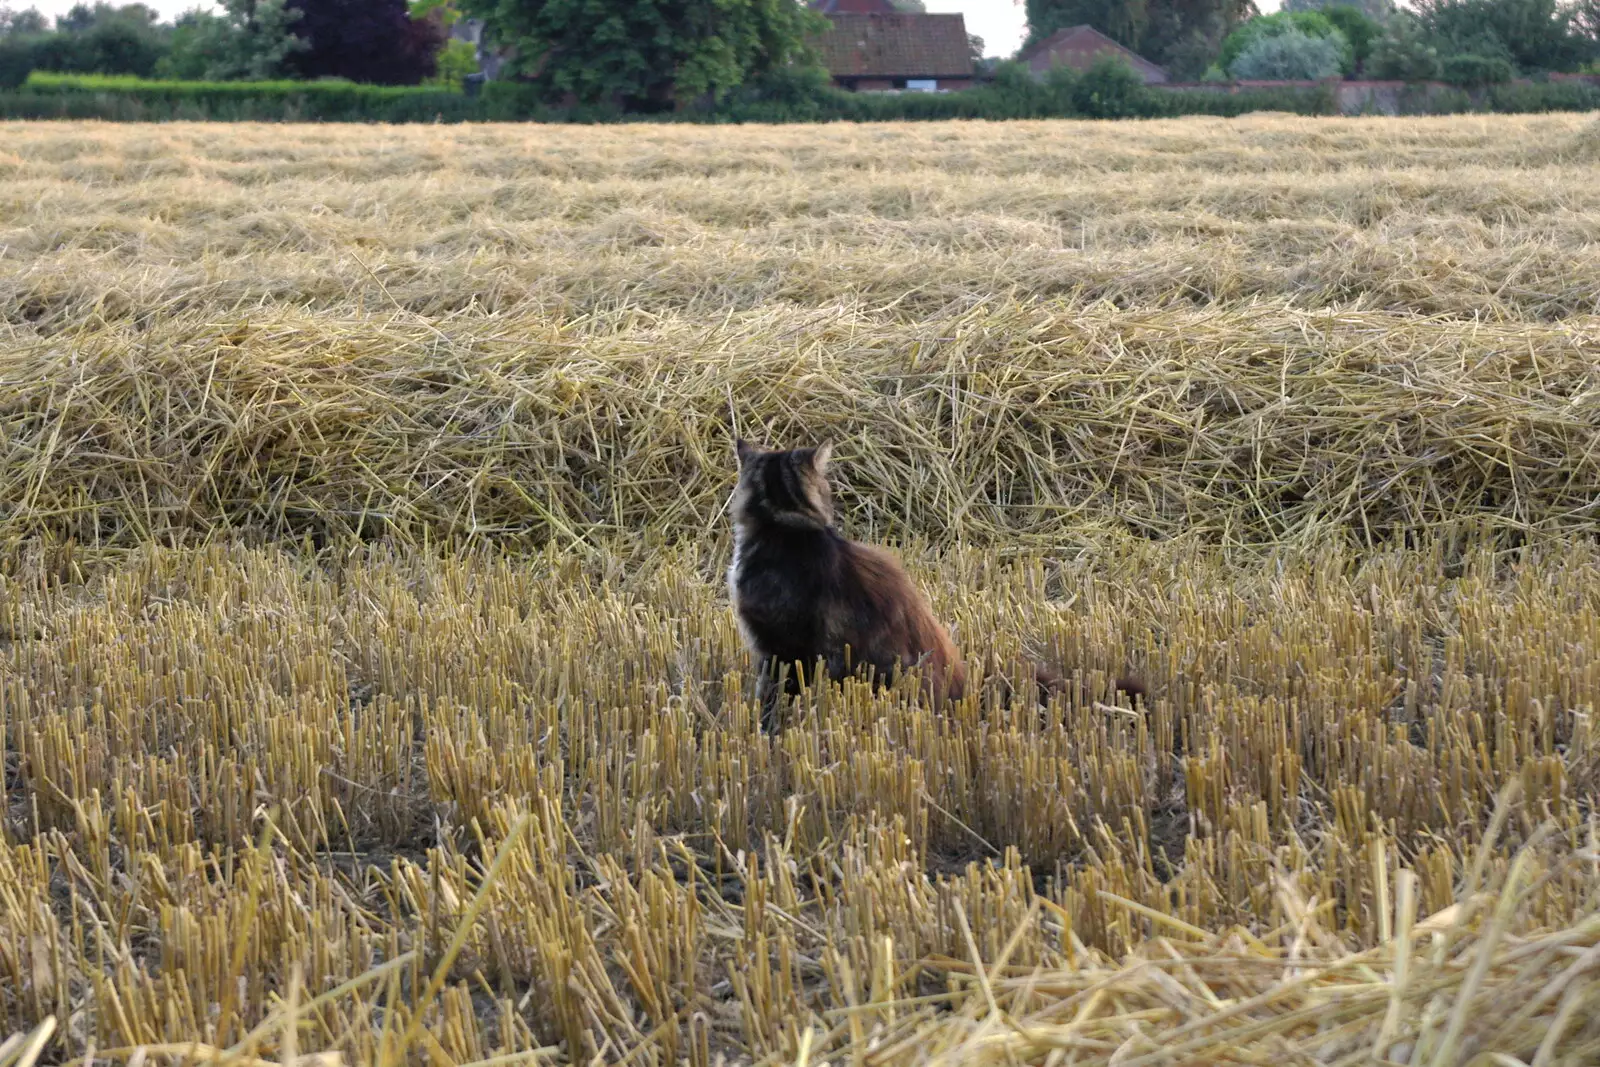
1077, 47
896, 46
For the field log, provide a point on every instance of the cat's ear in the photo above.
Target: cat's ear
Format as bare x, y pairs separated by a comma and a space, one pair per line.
820, 456
743, 450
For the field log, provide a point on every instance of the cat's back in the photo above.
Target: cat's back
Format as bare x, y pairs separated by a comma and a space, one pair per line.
782, 584
874, 574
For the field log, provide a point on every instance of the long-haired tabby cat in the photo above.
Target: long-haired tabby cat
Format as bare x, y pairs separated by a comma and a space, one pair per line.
802, 592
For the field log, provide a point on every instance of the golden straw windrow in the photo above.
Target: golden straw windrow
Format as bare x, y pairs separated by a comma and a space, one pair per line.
1005, 424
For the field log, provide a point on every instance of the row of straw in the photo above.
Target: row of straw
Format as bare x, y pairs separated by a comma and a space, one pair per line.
1005, 423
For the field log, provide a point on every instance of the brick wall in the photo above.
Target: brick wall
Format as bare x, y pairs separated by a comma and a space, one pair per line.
1360, 97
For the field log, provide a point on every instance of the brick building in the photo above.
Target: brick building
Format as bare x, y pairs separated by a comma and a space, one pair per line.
1078, 47
886, 50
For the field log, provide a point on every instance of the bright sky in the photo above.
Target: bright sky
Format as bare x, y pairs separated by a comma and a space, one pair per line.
1000, 23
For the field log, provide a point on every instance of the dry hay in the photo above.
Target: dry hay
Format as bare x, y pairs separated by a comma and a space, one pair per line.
1005, 424
1583, 146
369, 694
1465, 216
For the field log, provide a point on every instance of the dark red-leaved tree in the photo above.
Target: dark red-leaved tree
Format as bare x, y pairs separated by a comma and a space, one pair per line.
373, 41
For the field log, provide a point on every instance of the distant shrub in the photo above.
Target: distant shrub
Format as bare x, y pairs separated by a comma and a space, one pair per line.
1013, 92
1404, 52
1360, 29
1535, 35
1059, 86
1309, 23
1313, 100
1440, 100
1475, 72
1110, 89
455, 61
1543, 96
16, 61
1289, 56
114, 46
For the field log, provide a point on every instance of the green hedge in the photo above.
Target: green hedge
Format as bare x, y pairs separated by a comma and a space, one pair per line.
1106, 90
1312, 101
48, 84
1100, 93
1529, 97
139, 99
127, 99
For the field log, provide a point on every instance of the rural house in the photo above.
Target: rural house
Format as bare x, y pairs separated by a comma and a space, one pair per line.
1078, 47
887, 50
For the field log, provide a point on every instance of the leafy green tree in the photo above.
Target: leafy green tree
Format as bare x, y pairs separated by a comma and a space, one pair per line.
377, 42
1376, 10
1291, 56
1359, 28
452, 64
1181, 35
16, 60
1404, 52
458, 58
1309, 23
192, 32
81, 17
1533, 34
444, 11
1124, 21
29, 22
265, 39
648, 55
1586, 22
250, 40
104, 39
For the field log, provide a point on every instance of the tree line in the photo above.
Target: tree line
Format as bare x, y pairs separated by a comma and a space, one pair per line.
645, 56
374, 41
1466, 42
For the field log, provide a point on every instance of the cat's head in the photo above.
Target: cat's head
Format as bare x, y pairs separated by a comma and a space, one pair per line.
789, 488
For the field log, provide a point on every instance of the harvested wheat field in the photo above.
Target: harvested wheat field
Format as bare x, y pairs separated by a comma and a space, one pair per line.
370, 692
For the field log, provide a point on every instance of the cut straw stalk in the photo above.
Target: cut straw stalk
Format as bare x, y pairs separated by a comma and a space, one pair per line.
613, 692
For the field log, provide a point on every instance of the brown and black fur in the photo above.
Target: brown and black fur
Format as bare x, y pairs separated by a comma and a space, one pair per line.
802, 592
